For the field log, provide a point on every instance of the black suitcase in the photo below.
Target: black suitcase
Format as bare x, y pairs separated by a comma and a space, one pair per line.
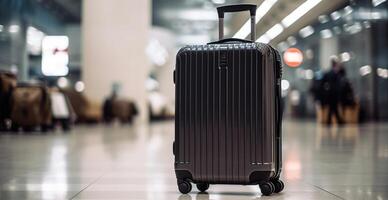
228, 113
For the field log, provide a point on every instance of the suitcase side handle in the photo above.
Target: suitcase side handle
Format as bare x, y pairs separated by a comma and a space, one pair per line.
236, 8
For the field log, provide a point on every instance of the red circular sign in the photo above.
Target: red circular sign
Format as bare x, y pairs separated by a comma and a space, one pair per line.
293, 57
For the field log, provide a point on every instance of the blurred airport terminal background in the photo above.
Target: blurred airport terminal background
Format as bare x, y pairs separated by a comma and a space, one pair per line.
132, 53
110, 63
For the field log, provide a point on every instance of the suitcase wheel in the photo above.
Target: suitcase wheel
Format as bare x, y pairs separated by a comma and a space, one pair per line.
279, 185
267, 188
184, 187
202, 186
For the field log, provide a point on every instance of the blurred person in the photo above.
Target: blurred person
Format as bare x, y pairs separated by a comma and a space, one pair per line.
347, 97
107, 108
349, 106
315, 88
331, 91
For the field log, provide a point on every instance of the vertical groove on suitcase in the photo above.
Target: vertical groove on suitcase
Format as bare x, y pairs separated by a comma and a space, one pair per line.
224, 114
244, 110
217, 118
190, 140
202, 118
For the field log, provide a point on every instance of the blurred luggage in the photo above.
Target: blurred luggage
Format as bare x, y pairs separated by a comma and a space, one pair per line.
85, 110
228, 114
107, 110
62, 111
124, 110
30, 107
121, 109
7, 83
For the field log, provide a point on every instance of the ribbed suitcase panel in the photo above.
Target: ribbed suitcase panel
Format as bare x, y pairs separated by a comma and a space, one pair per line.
224, 114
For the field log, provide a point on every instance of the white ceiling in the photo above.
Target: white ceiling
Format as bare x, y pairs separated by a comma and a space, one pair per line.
280, 10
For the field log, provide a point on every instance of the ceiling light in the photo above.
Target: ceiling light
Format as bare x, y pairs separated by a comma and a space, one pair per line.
62, 82
365, 70
377, 2
14, 28
308, 74
345, 56
354, 28
299, 12
376, 14
191, 14
347, 10
306, 31
218, 1
274, 31
260, 12
323, 19
79, 86
326, 33
337, 30
291, 40
383, 73
335, 15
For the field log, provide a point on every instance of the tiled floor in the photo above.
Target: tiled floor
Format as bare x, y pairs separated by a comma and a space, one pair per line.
136, 162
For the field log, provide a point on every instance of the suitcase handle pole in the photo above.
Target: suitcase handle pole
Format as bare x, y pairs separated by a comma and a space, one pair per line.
236, 8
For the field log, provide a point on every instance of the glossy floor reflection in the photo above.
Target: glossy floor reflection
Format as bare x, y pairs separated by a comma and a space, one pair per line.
136, 162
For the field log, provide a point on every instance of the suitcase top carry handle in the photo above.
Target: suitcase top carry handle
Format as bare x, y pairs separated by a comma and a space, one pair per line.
236, 8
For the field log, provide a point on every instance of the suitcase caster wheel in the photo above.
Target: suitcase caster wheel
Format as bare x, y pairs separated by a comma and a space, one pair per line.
279, 185
202, 186
267, 188
184, 187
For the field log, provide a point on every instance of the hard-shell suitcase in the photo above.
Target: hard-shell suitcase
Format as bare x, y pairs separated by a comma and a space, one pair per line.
85, 110
119, 108
7, 83
228, 112
30, 107
123, 110
61, 109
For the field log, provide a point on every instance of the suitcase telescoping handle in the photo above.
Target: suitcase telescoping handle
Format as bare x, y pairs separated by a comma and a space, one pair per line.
236, 8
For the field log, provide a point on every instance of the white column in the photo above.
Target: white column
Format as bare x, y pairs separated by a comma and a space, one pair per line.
328, 48
114, 38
